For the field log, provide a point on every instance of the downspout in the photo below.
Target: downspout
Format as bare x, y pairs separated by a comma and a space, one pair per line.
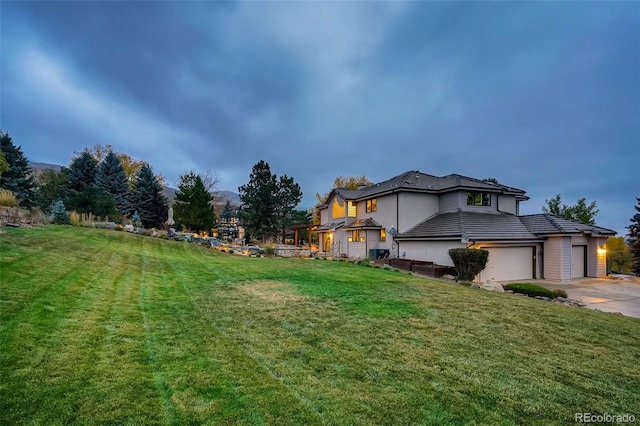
397, 223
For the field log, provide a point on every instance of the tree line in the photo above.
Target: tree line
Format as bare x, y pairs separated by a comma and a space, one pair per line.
113, 185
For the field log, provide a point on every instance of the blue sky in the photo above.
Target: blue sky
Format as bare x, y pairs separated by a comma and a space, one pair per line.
542, 96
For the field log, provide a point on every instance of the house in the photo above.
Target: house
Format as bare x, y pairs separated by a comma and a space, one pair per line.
419, 216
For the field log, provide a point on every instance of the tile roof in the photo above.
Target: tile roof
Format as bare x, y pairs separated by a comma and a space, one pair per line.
470, 226
330, 226
414, 180
496, 226
364, 223
550, 224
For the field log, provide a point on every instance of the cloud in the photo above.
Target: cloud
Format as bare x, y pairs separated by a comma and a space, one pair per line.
542, 96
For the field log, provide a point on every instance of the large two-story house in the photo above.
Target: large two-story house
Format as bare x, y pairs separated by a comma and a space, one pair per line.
418, 216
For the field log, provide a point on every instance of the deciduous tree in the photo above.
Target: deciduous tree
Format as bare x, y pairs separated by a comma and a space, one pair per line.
51, 187
347, 182
580, 212
619, 257
17, 178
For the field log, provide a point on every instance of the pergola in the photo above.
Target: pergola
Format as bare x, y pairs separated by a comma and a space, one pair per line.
296, 233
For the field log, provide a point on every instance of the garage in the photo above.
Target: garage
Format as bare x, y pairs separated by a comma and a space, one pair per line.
578, 266
509, 263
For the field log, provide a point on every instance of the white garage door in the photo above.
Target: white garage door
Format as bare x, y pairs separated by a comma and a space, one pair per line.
577, 261
512, 263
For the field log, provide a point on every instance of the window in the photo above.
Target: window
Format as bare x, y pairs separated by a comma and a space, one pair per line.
478, 199
356, 236
337, 210
372, 205
352, 209
383, 235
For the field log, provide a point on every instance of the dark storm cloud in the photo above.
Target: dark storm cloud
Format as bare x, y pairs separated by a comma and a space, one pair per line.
542, 96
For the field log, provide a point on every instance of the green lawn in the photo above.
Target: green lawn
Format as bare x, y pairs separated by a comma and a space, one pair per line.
103, 327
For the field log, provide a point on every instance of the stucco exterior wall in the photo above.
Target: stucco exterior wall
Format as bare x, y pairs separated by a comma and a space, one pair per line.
414, 208
385, 214
450, 201
324, 216
507, 204
557, 258
430, 251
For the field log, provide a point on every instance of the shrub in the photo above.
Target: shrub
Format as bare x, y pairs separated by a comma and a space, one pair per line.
465, 283
270, 250
530, 290
59, 214
75, 218
468, 262
8, 198
559, 293
364, 262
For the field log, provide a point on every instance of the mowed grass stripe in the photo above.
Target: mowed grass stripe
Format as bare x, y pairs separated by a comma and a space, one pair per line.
58, 355
205, 377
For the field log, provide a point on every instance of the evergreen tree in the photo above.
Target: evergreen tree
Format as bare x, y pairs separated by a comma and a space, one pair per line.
82, 193
4, 165
194, 204
634, 238
82, 172
59, 213
147, 198
288, 196
112, 179
258, 198
17, 178
227, 212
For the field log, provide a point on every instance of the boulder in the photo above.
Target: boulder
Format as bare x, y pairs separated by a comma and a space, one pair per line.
129, 228
493, 285
448, 277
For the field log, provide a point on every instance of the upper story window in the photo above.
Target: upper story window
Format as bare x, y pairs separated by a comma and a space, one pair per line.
478, 199
352, 211
337, 209
372, 205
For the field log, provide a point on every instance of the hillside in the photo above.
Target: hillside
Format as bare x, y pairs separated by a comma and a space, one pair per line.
140, 330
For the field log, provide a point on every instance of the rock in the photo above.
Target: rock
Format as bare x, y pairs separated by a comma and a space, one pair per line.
546, 299
448, 277
560, 299
509, 291
475, 286
129, 228
493, 285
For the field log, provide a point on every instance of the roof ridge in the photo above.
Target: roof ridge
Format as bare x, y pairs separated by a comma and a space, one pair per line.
552, 218
463, 230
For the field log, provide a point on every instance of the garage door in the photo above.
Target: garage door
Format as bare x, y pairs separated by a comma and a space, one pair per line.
577, 261
512, 263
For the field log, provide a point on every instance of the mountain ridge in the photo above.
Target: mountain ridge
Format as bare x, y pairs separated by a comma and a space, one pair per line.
169, 192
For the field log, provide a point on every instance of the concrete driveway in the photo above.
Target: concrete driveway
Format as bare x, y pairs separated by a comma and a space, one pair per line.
621, 294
